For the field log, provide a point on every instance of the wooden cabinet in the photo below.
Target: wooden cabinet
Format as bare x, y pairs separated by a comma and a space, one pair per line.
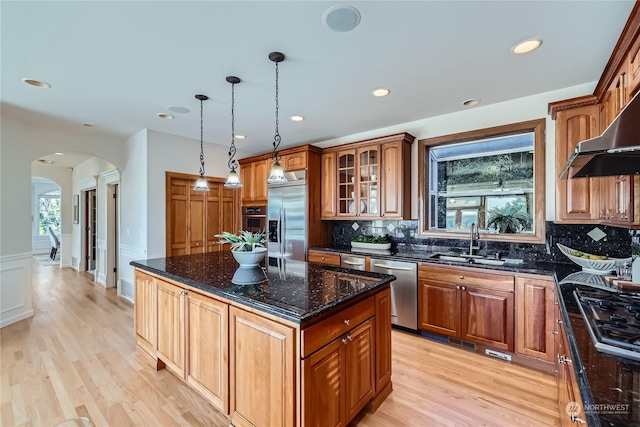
145, 309
322, 257
633, 67
535, 317
576, 198
262, 371
339, 378
371, 179
207, 338
294, 161
253, 176
383, 341
193, 218
171, 321
472, 305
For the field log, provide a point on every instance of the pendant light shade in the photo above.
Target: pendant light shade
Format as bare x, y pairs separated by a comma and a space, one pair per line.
201, 183
233, 179
276, 174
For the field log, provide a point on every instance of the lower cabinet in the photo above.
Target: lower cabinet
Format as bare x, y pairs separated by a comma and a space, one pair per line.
262, 371
171, 327
339, 378
471, 305
145, 317
535, 304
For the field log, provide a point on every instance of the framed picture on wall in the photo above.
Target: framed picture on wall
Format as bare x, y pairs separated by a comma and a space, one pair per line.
76, 209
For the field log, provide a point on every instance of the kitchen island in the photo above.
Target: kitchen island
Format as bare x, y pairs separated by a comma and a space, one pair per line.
288, 343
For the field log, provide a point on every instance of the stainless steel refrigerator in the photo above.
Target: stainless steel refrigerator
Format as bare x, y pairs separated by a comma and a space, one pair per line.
286, 219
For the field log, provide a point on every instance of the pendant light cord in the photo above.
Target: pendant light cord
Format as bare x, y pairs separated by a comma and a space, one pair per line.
201, 146
232, 149
276, 139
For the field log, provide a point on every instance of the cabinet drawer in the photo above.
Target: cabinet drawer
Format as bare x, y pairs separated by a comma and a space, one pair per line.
328, 258
322, 333
467, 276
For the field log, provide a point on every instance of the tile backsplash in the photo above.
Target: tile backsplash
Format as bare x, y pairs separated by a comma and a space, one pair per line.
599, 239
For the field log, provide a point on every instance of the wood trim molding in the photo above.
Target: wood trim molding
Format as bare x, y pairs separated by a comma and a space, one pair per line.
405, 137
283, 152
619, 55
568, 104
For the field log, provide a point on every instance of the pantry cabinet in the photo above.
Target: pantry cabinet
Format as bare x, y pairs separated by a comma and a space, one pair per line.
369, 179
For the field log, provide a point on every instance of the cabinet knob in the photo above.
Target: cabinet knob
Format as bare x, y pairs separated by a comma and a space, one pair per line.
555, 303
346, 322
578, 420
344, 340
457, 286
461, 276
322, 258
559, 322
349, 337
464, 288
555, 332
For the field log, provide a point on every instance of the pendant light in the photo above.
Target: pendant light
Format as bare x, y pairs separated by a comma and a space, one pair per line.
201, 183
276, 174
233, 179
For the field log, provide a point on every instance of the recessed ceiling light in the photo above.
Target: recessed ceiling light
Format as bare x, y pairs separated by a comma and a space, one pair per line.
297, 118
178, 109
381, 92
89, 125
240, 137
526, 46
165, 116
59, 154
470, 102
36, 83
341, 18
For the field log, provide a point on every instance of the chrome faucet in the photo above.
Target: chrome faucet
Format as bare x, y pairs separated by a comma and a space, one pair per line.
475, 238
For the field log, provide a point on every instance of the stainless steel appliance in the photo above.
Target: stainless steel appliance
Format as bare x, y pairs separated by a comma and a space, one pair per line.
613, 320
286, 218
254, 218
353, 262
404, 290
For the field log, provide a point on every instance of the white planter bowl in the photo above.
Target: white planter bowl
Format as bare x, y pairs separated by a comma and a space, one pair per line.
249, 258
377, 246
594, 266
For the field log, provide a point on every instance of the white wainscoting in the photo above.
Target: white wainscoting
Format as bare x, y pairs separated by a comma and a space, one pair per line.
126, 279
16, 299
101, 262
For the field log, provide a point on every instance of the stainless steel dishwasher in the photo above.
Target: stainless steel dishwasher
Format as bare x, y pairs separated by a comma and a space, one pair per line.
404, 290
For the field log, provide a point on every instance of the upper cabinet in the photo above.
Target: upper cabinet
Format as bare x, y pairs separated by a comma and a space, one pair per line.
254, 182
611, 200
368, 179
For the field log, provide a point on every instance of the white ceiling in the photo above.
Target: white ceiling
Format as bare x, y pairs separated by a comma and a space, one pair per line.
118, 63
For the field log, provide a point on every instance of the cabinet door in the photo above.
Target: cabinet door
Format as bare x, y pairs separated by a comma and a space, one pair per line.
346, 162
633, 60
328, 187
294, 161
575, 197
624, 199
260, 173
395, 173
487, 317
171, 342
383, 339
207, 344
177, 225
359, 368
439, 308
534, 318
262, 371
323, 386
197, 221
145, 317
247, 178
367, 203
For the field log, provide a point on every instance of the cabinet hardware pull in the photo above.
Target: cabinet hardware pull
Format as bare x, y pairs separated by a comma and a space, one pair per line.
564, 359
575, 419
346, 322
461, 276
457, 286
555, 332
352, 263
559, 322
555, 303
388, 267
349, 337
554, 371
322, 258
344, 340
464, 288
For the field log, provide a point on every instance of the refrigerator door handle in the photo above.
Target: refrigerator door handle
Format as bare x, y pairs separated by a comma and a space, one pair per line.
284, 232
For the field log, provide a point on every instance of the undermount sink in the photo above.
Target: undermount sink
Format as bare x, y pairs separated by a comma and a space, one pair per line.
468, 259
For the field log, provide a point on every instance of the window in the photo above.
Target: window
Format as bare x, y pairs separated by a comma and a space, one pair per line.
493, 178
49, 211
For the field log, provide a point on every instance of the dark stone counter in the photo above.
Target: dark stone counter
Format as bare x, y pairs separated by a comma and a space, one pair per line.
293, 290
609, 385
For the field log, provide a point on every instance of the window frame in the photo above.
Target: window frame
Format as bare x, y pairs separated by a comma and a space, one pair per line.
536, 126
47, 195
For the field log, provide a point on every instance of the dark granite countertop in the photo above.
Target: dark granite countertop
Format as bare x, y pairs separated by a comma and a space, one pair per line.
293, 290
603, 379
512, 265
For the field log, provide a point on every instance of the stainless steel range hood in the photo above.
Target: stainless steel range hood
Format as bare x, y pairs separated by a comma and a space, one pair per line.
615, 152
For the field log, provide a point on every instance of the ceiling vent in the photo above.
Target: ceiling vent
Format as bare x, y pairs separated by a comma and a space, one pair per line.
341, 18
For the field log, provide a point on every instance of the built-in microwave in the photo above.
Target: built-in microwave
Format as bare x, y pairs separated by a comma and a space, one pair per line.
254, 218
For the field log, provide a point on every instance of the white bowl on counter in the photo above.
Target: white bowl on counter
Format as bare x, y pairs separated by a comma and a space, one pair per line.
593, 266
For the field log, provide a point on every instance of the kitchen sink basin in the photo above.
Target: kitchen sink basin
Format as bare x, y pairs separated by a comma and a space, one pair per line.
468, 259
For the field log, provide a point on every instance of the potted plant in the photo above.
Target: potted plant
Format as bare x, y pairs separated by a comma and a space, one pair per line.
247, 247
509, 219
365, 241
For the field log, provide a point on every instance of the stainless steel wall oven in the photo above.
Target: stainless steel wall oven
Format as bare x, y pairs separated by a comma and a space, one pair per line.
254, 218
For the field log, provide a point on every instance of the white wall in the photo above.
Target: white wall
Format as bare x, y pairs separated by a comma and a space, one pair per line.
517, 110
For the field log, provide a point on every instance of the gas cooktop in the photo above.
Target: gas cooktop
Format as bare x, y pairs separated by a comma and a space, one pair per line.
613, 320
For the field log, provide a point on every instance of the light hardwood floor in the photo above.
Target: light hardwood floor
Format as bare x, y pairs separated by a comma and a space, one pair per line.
76, 357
